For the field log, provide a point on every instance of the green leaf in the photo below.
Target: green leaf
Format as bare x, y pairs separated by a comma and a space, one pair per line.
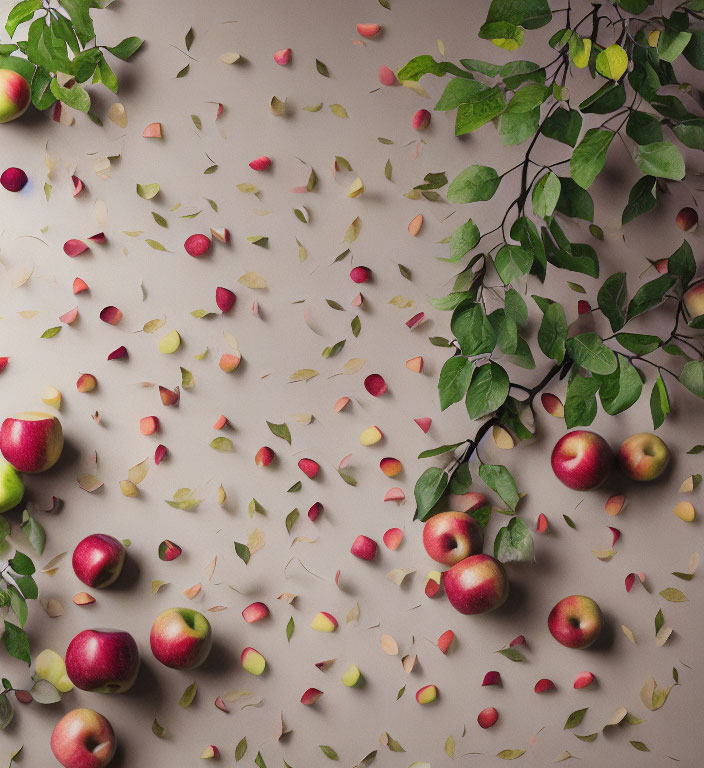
514, 544
473, 184
512, 654
157, 728
27, 586
659, 402
515, 307
691, 133
426, 65
290, 628
621, 389
322, 68
188, 695
148, 191
76, 96
639, 746
21, 12
530, 14
612, 300
458, 91
528, 97
563, 125
463, 239
575, 718
661, 159
18, 605
487, 391
589, 156
462, 480
432, 451
612, 62
546, 193
329, 752
692, 377
79, 11
649, 295
280, 430
576, 257
643, 127
222, 444
517, 127
641, 199
522, 357
22, 564
694, 52
515, 73
527, 235
34, 532
475, 114
512, 262
355, 325
639, 343
455, 377
242, 551
241, 749
428, 490
16, 642
609, 98
552, 333
259, 761
40, 89
6, 711
682, 264
580, 403
574, 201
472, 329
291, 519
673, 595
589, 351
500, 480
672, 43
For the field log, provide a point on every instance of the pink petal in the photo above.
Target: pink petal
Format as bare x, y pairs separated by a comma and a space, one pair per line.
424, 423
74, 247
70, 316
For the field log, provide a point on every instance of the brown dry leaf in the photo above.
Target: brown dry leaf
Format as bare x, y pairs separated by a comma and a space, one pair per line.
28, 314
217, 608
303, 540
278, 107
402, 302
388, 645
663, 635
353, 614
255, 541
90, 483
52, 566
83, 598
229, 58
397, 575
617, 717
153, 325
352, 231
304, 374
138, 472
408, 663
234, 695
353, 365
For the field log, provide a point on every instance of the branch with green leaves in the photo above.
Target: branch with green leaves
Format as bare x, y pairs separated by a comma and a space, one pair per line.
57, 55
631, 56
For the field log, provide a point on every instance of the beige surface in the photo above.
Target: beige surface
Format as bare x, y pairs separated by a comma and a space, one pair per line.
277, 343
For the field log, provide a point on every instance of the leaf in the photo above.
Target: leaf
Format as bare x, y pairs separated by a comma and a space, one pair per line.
51, 332
510, 754
512, 654
692, 377
157, 246
16, 642
34, 532
428, 490
500, 480
252, 280
355, 325
338, 110
126, 48
188, 695
148, 191
575, 718
659, 402
612, 62
222, 444
639, 746
291, 518
352, 231
241, 749
580, 403
488, 390
546, 193
512, 262
322, 69
552, 333
259, 761
673, 595
563, 125
589, 156
514, 543
290, 627
621, 389
280, 430
329, 752
661, 159
474, 184
454, 381
641, 199
463, 239
612, 300
589, 351
242, 551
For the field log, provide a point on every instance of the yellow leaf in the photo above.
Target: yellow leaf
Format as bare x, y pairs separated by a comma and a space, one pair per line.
338, 110
252, 280
255, 541
352, 231
138, 472
612, 62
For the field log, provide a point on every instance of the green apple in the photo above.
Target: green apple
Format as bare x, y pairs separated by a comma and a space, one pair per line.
11, 486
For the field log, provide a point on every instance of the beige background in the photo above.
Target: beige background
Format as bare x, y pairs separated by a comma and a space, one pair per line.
277, 343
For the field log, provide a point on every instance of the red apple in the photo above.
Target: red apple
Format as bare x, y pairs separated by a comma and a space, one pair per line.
687, 219
181, 638
363, 547
476, 584
575, 621
31, 441
451, 536
98, 560
83, 739
643, 456
14, 95
581, 460
102, 660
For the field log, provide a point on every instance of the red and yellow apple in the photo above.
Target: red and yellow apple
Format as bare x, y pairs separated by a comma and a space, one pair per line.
575, 621
643, 456
449, 537
102, 660
83, 739
181, 638
31, 441
581, 460
11, 487
476, 584
693, 301
14, 95
98, 560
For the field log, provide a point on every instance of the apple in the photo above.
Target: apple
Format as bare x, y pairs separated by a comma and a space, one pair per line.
14, 95
49, 665
11, 486
476, 584
31, 441
693, 300
83, 739
181, 638
98, 560
643, 456
575, 621
363, 547
102, 660
687, 219
451, 536
581, 460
